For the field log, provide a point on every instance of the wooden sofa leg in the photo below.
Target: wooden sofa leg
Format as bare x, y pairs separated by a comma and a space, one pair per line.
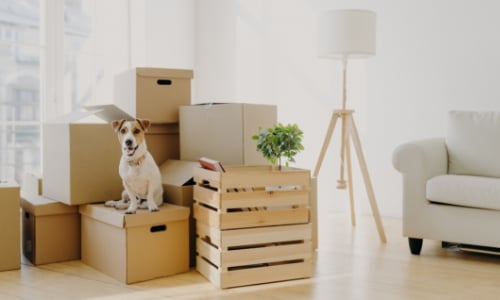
415, 245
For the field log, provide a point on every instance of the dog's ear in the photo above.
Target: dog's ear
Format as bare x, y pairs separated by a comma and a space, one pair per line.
145, 124
117, 124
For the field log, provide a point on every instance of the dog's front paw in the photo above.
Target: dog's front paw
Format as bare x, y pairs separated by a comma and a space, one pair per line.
110, 203
130, 212
121, 205
152, 207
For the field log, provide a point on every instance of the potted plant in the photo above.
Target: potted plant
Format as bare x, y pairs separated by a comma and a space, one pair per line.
279, 141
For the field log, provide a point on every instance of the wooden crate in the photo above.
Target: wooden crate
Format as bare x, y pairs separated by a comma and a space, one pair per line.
231, 258
252, 225
244, 197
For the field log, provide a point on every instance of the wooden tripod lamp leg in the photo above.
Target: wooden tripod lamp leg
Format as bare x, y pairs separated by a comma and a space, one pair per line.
349, 178
353, 132
328, 137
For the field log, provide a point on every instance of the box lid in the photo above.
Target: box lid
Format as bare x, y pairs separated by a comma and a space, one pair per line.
160, 72
42, 206
178, 172
221, 104
8, 183
118, 218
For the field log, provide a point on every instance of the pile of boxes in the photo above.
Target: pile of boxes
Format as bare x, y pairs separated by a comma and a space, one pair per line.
62, 214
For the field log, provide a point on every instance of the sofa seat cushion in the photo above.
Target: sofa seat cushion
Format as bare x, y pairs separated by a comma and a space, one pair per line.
463, 190
473, 143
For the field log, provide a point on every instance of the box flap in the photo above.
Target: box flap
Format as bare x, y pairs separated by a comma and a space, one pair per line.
118, 218
108, 112
178, 172
93, 114
41, 206
169, 73
71, 117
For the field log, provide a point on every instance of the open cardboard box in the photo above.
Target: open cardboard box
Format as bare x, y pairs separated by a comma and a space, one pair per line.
177, 181
81, 154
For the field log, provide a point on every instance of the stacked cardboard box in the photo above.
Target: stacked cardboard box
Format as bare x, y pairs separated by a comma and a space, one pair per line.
153, 93
224, 131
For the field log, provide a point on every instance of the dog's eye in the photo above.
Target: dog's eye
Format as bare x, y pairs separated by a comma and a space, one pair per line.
123, 130
137, 131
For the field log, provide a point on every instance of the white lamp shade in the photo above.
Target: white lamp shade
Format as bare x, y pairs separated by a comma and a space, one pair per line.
347, 33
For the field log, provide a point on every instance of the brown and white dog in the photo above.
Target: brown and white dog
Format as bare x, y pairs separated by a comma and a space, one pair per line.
140, 175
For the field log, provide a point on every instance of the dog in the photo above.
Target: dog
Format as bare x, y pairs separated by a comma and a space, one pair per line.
139, 173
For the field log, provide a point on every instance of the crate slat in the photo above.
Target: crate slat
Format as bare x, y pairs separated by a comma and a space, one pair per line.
245, 219
263, 255
230, 238
255, 275
252, 176
245, 199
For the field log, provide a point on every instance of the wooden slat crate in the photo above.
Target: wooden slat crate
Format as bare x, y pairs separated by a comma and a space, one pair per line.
252, 225
252, 196
231, 258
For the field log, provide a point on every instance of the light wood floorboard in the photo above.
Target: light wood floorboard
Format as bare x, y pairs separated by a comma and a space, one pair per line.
350, 263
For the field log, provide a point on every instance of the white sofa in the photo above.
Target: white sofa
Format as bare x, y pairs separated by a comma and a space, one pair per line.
451, 185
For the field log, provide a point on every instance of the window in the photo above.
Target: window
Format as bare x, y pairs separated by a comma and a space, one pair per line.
20, 96
36, 82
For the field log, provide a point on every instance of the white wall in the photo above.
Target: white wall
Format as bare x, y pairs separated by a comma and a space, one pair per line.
162, 33
432, 56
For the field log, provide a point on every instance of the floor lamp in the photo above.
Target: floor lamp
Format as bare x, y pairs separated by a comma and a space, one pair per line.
346, 34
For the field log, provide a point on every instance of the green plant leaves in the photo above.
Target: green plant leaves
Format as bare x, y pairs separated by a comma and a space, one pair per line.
279, 141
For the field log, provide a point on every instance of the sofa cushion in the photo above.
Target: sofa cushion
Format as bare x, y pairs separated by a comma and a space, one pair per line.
473, 143
463, 190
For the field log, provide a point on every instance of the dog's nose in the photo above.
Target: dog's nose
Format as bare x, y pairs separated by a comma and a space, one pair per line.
128, 142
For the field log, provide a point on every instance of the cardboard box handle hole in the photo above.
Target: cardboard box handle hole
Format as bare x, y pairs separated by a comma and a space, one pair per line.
158, 228
164, 82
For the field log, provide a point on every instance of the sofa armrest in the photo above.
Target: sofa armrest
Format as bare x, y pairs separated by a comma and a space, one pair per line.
418, 161
422, 158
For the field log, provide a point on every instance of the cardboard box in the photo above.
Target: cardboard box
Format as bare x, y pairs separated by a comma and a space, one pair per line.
224, 132
51, 230
153, 93
32, 184
10, 226
177, 180
81, 155
80, 163
136, 247
163, 142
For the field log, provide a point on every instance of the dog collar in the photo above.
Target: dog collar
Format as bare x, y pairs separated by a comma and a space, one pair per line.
136, 162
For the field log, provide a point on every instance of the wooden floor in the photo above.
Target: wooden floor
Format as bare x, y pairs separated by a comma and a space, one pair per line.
350, 263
